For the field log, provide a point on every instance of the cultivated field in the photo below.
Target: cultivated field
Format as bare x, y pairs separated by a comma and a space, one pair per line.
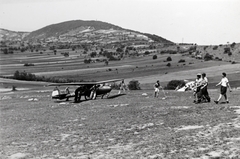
134, 125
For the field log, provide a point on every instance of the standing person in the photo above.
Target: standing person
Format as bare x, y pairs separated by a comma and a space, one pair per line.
156, 88
122, 87
224, 84
203, 88
197, 87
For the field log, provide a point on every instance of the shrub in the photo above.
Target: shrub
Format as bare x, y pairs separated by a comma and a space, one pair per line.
168, 52
233, 45
169, 58
208, 57
154, 57
168, 65
87, 60
28, 64
32, 77
134, 85
215, 47
181, 61
172, 85
230, 53
146, 53
233, 62
65, 54
226, 50
14, 88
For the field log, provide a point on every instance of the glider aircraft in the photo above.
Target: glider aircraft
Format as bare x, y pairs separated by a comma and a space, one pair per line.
90, 90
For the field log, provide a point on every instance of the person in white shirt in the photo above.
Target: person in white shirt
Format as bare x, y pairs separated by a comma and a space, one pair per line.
122, 86
224, 84
203, 88
197, 87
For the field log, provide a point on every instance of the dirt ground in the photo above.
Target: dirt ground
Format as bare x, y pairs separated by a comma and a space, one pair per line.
133, 125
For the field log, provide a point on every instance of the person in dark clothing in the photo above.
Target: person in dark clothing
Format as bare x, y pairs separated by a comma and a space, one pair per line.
78, 93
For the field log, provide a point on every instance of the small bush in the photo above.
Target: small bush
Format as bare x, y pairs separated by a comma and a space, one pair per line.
215, 47
14, 88
169, 58
181, 61
172, 85
208, 57
154, 57
226, 50
233, 62
87, 61
146, 53
134, 85
168, 52
28, 64
169, 64
233, 45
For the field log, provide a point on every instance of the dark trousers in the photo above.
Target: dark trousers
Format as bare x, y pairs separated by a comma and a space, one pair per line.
204, 92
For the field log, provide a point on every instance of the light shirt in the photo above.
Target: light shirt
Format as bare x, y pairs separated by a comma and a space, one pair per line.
224, 82
204, 81
198, 81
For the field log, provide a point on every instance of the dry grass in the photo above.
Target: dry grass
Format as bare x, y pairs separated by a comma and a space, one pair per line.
129, 126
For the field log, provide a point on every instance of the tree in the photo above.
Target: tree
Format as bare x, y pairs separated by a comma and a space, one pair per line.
208, 57
154, 57
119, 50
134, 85
169, 58
93, 54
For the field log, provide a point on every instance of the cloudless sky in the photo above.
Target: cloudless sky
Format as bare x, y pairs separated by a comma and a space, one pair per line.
190, 21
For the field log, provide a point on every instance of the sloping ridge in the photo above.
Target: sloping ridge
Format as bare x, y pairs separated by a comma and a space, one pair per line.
64, 27
58, 29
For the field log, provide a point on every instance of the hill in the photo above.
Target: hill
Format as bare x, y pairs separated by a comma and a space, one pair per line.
6, 35
79, 31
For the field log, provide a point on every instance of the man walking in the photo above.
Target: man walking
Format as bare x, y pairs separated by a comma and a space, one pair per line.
223, 90
204, 90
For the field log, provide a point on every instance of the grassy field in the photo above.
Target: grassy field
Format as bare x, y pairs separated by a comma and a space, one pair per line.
34, 126
134, 125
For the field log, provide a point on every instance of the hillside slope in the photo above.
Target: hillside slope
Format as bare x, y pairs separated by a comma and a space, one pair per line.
90, 31
12, 35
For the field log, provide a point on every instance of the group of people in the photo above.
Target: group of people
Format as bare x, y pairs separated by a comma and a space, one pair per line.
201, 92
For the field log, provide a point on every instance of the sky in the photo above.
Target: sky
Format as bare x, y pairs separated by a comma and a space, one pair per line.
204, 22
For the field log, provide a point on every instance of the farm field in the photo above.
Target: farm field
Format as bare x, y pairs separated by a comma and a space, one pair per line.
133, 125
35, 126
142, 68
